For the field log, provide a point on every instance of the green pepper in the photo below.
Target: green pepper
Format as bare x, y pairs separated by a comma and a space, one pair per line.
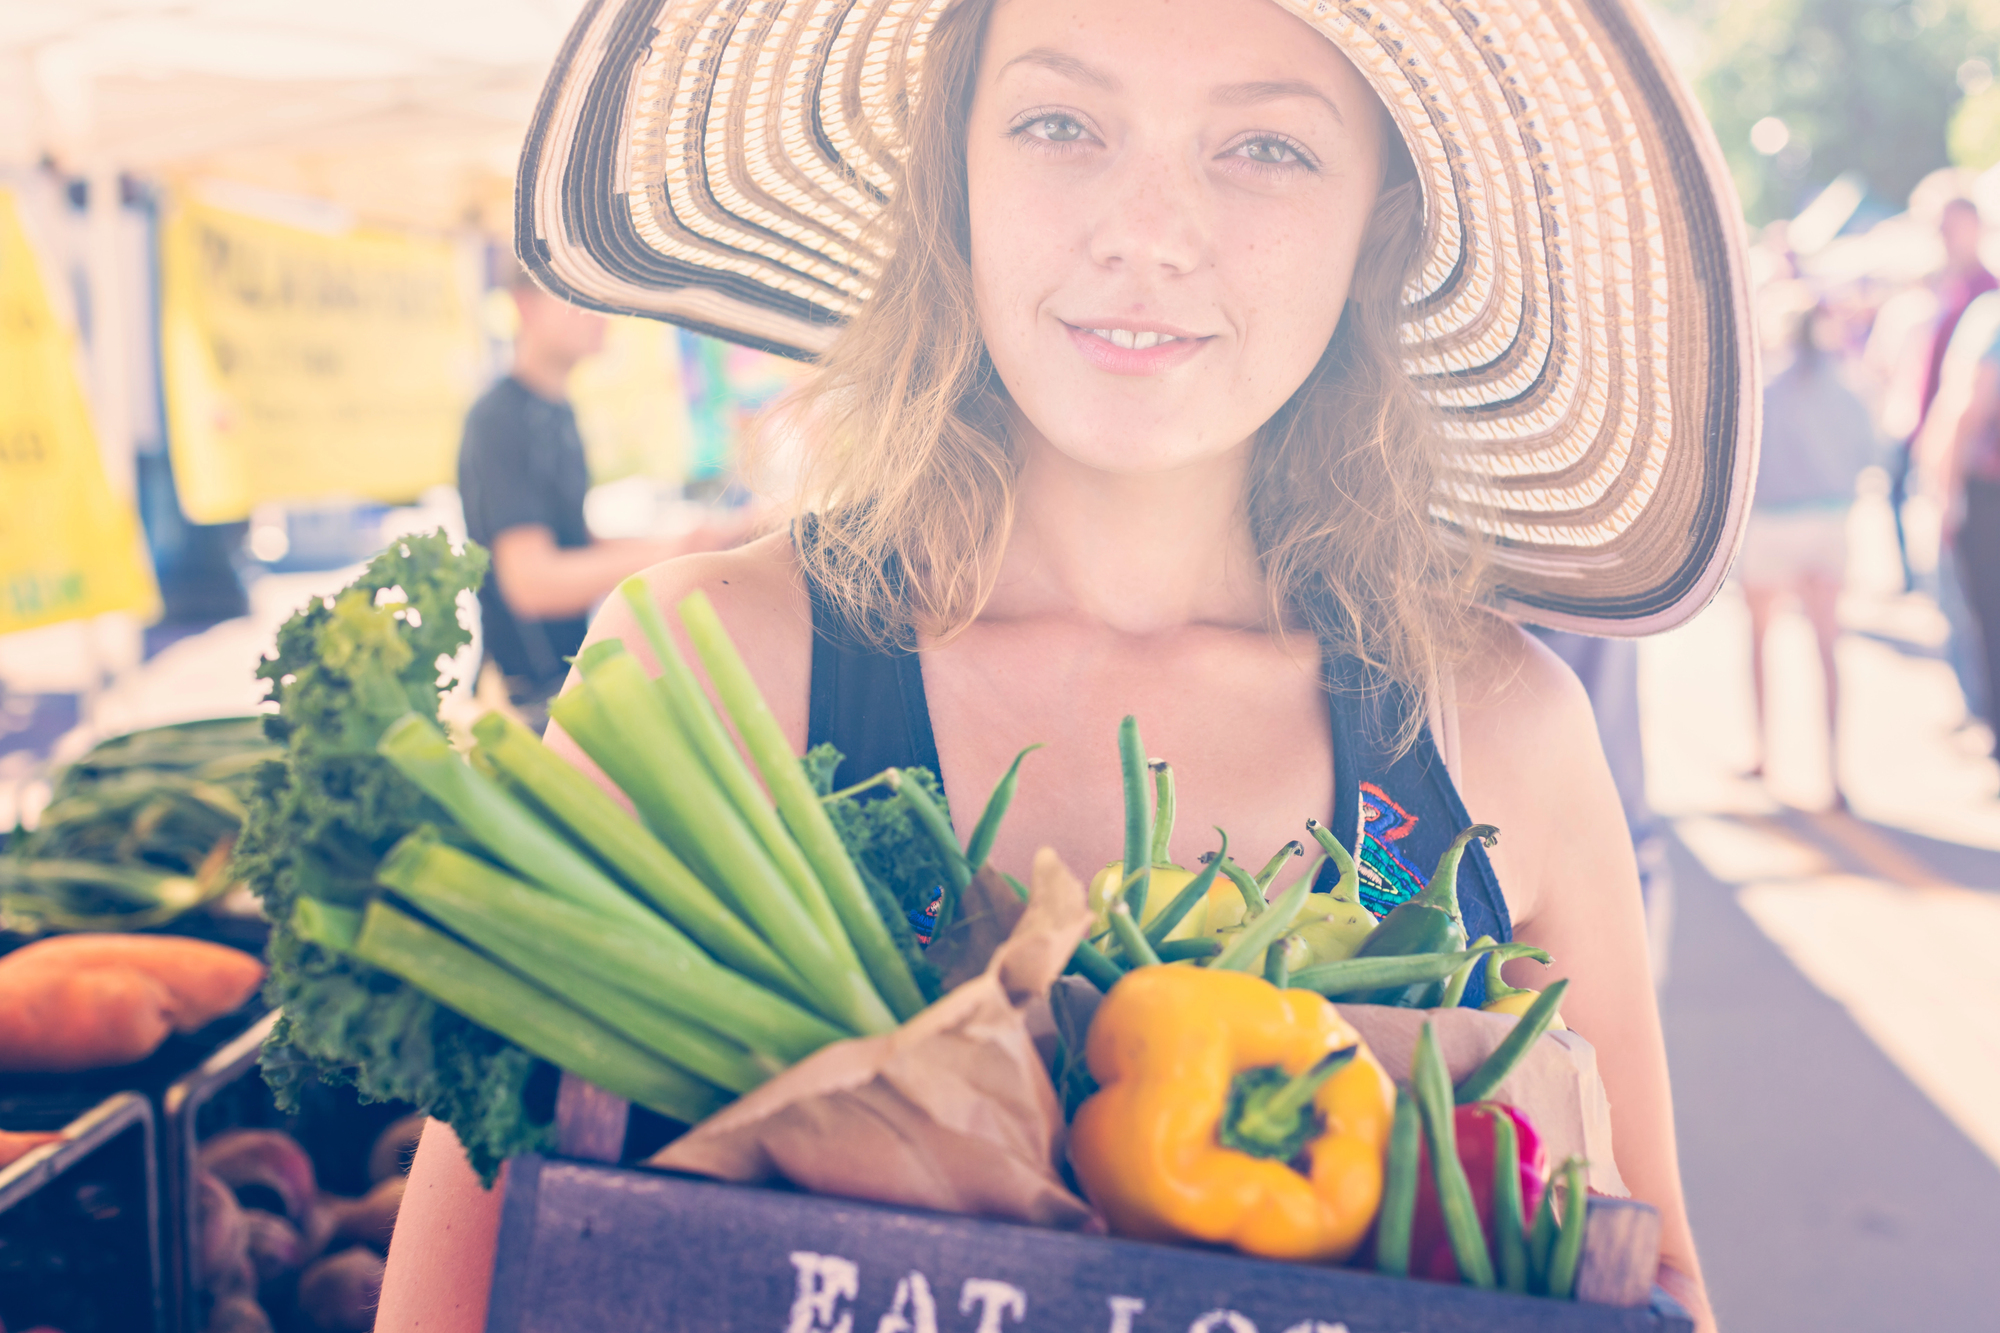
1429, 923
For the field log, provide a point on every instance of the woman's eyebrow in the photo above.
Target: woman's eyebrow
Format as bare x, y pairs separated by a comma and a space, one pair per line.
1245, 94
1050, 59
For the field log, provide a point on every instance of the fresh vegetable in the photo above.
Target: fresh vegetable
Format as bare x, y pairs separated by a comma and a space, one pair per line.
1467, 1242
1504, 999
1481, 1082
1568, 1250
74, 1002
137, 831
1476, 1132
1353, 980
1213, 1085
1428, 923
1160, 891
1399, 1188
1334, 924
203, 981
1507, 1229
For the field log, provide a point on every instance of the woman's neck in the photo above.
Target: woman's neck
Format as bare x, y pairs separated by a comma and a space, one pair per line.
1137, 553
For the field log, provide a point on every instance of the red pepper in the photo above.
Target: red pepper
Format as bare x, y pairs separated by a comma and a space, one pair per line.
1430, 1248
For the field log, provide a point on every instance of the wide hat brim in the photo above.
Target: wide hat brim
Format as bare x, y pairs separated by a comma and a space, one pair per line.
1579, 317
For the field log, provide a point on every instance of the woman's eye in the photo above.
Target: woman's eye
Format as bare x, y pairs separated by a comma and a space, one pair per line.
1055, 129
1270, 152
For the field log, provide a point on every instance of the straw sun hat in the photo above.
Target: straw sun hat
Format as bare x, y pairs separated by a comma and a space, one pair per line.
1579, 314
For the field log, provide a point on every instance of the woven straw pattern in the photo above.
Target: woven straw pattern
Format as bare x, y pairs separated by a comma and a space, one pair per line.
1576, 314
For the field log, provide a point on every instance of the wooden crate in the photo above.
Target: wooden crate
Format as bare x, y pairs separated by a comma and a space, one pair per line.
586, 1247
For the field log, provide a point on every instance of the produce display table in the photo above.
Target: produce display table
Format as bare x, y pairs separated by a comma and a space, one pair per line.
584, 1246
79, 1218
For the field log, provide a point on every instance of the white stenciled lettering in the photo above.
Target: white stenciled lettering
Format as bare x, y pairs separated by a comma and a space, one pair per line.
1216, 1320
913, 1310
995, 1301
1315, 1326
824, 1281
1122, 1310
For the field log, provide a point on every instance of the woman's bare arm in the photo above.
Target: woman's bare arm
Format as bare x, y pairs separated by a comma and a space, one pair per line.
441, 1257
1533, 766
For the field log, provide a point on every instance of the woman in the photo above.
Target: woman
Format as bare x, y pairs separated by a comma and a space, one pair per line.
1817, 438
1126, 418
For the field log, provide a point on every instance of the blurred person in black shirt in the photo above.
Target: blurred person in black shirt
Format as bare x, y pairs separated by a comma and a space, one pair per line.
522, 477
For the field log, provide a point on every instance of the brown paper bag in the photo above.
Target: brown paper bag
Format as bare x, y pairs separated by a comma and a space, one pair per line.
1555, 1084
952, 1111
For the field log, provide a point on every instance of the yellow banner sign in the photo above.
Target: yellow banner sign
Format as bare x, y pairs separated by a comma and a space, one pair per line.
300, 365
69, 548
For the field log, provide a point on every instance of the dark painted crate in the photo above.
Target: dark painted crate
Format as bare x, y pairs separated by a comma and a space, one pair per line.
586, 1247
79, 1218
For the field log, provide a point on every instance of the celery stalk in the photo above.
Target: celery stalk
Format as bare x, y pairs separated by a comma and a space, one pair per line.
642, 860
800, 805
493, 997
667, 974
501, 824
645, 738
684, 698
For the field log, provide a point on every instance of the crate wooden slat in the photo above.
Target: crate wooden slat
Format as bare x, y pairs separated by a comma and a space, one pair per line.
585, 1246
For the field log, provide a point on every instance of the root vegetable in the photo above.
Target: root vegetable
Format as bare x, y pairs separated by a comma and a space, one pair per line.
203, 981
276, 1248
14, 1146
242, 1158
237, 1314
63, 1021
340, 1293
221, 1239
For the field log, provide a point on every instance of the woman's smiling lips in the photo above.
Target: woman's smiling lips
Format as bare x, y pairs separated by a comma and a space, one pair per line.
1128, 349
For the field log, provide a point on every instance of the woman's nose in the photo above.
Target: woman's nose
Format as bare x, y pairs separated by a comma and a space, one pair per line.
1151, 214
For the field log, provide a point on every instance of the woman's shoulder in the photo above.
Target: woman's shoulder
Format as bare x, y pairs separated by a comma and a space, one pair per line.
760, 595
1528, 748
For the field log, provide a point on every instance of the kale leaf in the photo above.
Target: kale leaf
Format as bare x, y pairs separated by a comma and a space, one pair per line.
321, 819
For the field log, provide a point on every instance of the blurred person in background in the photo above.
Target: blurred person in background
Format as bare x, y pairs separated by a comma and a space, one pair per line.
1972, 513
1817, 439
523, 476
1962, 280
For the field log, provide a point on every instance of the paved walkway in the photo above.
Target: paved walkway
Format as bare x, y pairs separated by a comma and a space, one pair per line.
1833, 1002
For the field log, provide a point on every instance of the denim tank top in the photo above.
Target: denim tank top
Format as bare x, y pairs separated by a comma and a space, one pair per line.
1395, 812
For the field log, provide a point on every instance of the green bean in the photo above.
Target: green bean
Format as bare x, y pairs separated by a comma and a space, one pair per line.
988, 827
1180, 951
1542, 1241
1569, 1245
1254, 902
1276, 968
1138, 814
1508, 1223
1348, 886
1276, 863
1528, 1029
1247, 949
639, 858
1454, 1192
1130, 938
1454, 989
1399, 1189
1183, 902
1163, 810
1347, 977
495, 998
1090, 963
803, 815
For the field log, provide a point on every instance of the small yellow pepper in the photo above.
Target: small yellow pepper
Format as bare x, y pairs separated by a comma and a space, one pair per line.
1504, 999
1232, 1112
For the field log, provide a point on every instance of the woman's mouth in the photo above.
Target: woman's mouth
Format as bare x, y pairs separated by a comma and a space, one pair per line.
1133, 351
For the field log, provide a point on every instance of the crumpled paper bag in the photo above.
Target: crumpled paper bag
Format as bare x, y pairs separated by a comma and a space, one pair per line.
1556, 1083
952, 1111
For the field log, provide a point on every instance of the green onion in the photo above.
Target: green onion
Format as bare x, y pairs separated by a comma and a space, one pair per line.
527, 1015
501, 824
659, 966
639, 858
705, 818
799, 805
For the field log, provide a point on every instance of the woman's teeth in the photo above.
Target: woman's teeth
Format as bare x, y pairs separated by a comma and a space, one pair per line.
1137, 341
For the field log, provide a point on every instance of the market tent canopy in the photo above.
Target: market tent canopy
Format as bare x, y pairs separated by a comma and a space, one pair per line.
403, 113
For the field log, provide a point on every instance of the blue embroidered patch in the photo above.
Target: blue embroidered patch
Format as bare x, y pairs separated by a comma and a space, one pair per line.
1386, 878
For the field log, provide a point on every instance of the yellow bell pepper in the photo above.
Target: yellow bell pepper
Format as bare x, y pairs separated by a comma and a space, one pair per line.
1234, 1113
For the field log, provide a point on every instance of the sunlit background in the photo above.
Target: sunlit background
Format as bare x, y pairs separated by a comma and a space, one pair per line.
252, 265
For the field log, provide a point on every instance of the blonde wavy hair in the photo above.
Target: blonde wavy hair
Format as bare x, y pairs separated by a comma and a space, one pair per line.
909, 471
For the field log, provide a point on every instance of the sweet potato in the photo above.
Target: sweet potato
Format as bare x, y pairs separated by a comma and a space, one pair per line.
204, 981
14, 1145
61, 1021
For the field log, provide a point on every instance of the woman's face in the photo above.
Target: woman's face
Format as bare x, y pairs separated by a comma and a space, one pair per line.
1167, 197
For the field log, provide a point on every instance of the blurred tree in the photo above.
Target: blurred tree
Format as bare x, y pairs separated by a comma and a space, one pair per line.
1802, 90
